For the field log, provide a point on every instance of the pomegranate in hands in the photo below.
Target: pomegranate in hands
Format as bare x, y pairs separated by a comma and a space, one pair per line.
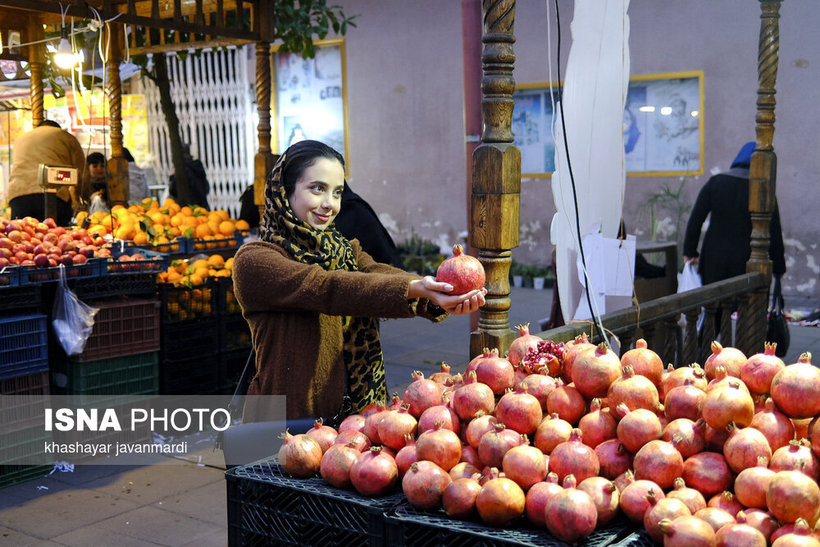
464, 272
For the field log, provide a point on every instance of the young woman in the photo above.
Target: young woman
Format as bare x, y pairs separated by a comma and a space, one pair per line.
312, 298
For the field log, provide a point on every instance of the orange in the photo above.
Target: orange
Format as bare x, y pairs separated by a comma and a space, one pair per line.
141, 238
202, 230
242, 225
216, 261
227, 228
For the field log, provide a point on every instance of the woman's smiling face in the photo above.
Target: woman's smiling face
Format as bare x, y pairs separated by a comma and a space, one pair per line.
317, 197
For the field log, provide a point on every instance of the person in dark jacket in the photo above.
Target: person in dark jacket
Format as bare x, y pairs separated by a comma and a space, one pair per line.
727, 244
358, 220
198, 185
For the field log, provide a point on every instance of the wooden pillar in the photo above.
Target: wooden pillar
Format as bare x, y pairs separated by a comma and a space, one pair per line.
117, 164
263, 160
762, 180
36, 59
495, 203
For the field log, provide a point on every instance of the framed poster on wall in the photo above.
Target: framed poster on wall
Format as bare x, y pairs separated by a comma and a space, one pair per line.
663, 125
309, 97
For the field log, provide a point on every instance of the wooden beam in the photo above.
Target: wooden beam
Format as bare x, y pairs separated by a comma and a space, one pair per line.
182, 46
496, 182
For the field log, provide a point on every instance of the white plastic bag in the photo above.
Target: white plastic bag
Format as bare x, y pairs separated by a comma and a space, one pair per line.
73, 318
689, 279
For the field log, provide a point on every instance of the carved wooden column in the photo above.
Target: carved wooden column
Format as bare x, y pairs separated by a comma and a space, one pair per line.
263, 160
117, 164
36, 59
762, 180
495, 203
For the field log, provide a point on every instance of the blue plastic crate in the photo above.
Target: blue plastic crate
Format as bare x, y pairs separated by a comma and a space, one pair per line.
32, 274
10, 276
193, 245
23, 345
152, 262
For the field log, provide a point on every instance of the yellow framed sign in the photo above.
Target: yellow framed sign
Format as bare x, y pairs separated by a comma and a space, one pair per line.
309, 99
663, 125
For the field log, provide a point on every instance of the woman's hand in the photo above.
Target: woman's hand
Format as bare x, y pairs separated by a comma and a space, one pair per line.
440, 294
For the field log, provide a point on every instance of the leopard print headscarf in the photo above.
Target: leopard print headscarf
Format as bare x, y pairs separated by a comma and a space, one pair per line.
332, 251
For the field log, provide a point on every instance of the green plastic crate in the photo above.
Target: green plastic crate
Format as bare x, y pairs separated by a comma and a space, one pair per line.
129, 375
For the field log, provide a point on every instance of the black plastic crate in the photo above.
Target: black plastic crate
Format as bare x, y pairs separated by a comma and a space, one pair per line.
32, 274
234, 333
106, 286
23, 345
194, 376
9, 276
231, 364
20, 298
29, 401
406, 525
146, 261
268, 507
189, 339
195, 245
183, 304
122, 327
226, 303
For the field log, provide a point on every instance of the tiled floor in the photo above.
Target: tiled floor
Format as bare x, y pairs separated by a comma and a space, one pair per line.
184, 503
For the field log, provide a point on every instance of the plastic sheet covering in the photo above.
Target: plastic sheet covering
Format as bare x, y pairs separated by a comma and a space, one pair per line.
594, 95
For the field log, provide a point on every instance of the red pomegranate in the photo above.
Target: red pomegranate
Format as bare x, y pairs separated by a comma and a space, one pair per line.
395, 425
775, 426
796, 456
440, 446
464, 272
322, 434
730, 358
693, 499
459, 497
421, 394
567, 402
598, 425
494, 444
336, 463
443, 413
689, 436
540, 385
406, 456
761, 520
634, 502
684, 401
494, 371
744, 448
524, 464
707, 473
687, 531
442, 375
519, 410
473, 396
751, 484
760, 369
604, 495
613, 458
573, 457
353, 422
300, 456
740, 533
500, 501
358, 439
677, 377
728, 403
634, 390
644, 361
792, 495
538, 496
424, 484
716, 517
637, 427
374, 473
796, 389
727, 501
571, 514
798, 534
594, 370
478, 426
660, 509
659, 462
464, 470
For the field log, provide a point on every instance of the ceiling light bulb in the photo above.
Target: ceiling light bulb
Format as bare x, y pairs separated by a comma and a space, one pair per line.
64, 56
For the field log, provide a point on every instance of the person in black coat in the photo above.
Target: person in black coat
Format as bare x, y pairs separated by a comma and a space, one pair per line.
198, 185
358, 220
727, 244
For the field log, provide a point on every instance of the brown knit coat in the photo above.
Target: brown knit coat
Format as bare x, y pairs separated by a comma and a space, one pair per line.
293, 312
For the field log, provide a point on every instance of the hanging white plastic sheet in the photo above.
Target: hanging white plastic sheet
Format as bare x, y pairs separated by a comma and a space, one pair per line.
611, 271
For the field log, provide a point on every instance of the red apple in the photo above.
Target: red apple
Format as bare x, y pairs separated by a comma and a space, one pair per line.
59, 230
40, 250
66, 245
66, 260
15, 235
41, 261
87, 251
5, 253
79, 259
28, 247
41, 228
27, 262
31, 221
4, 261
14, 225
50, 222
52, 263
6, 243
22, 255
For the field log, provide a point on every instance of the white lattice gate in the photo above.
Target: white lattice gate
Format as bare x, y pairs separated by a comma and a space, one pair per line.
216, 118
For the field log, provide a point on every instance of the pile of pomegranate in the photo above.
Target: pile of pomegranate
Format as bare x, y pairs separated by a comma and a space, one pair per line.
569, 436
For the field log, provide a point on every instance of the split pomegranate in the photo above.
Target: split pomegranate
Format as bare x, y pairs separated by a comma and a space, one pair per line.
374, 473
571, 514
500, 501
519, 410
464, 272
440, 446
424, 484
796, 389
730, 358
760, 369
573, 457
336, 463
300, 456
459, 497
594, 370
644, 361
